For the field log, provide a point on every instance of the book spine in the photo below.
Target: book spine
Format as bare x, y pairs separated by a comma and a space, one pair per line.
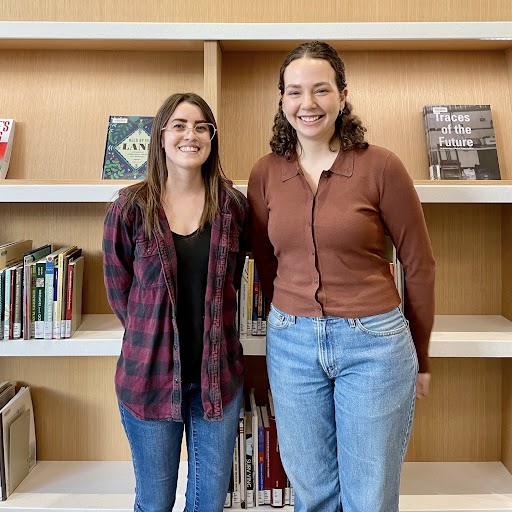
32, 300
255, 294
241, 457
39, 300
250, 285
261, 465
277, 475
48, 298
27, 296
2, 303
236, 473
18, 304
243, 298
7, 303
69, 301
267, 490
55, 314
249, 474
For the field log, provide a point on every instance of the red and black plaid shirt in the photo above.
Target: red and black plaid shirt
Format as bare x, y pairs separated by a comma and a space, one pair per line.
140, 278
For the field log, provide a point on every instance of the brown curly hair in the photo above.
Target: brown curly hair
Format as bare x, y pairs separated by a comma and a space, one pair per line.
349, 131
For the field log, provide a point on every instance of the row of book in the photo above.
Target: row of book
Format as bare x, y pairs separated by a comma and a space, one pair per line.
252, 304
40, 291
17, 437
258, 477
461, 144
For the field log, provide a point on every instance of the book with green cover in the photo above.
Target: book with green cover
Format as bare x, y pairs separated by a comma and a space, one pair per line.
126, 152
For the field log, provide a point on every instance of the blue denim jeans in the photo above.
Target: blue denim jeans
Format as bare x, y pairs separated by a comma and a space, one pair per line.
344, 394
156, 447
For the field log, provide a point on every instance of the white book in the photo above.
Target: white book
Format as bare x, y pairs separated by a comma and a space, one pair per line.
244, 289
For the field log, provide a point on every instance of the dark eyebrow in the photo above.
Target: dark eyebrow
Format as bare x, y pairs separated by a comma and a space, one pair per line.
186, 121
297, 86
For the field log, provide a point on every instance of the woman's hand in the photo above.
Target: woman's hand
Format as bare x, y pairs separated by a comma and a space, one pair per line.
422, 384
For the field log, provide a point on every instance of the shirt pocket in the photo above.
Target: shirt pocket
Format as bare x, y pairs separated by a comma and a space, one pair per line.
234, 240
147, 265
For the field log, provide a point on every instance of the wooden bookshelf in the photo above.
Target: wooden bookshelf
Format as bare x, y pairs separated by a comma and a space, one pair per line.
61, 81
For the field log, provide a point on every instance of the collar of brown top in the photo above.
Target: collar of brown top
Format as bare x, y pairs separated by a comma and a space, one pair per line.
343, 165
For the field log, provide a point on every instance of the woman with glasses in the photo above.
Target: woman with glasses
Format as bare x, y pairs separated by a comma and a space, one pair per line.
342, 357
174, 247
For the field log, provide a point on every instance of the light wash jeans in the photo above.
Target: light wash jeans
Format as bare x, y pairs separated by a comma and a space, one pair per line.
156, 447
344, 394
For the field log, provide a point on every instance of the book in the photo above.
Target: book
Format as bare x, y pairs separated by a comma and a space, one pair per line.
18, 303
2, 306
461, 143
254, 462
236, 473
241, 457
266, 446
9, 301
16, 463
50, 278
6, 393
29, 278
249, 462
6, 142
276, 470
60, 292
126, 151
73, 312
39, 298
13, 252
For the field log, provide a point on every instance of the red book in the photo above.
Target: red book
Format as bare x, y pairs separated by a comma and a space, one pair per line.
276, 471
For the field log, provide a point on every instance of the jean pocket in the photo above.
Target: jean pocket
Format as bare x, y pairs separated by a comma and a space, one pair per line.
385, 324
277, 319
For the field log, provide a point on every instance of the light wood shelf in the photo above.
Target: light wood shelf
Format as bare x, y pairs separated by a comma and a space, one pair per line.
26, 191
254, 36
108, 487
453, 336
234, 66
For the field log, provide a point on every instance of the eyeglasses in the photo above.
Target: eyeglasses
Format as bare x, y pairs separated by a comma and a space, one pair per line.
203, 131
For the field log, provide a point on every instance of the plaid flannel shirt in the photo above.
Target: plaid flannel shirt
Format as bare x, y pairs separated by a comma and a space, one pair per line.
140, 278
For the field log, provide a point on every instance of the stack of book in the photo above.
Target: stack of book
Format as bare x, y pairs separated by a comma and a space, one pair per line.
40, 291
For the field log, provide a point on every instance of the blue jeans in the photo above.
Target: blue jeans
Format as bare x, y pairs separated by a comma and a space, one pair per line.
156, 447
344, 394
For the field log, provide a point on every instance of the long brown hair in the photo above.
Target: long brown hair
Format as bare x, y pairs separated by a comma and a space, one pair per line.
348, 129
148, 194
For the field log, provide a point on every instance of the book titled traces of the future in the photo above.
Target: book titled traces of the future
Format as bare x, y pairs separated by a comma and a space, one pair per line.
6, 138
126, 152
461, 143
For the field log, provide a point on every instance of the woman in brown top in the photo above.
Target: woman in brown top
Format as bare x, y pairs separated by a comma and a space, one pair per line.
345, 362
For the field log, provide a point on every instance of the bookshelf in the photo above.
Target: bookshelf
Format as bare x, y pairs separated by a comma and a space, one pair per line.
108, 486
460, 455
453, 336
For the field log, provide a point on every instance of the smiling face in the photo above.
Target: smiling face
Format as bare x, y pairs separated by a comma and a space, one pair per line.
187, 151
311, 99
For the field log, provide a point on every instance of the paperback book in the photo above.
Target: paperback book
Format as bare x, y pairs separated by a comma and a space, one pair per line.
6, 139
126, 151
461, 143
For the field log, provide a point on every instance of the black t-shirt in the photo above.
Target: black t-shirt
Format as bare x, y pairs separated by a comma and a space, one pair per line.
192, 253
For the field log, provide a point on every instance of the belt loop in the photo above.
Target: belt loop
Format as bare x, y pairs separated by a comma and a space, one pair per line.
293, 319
351, 322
